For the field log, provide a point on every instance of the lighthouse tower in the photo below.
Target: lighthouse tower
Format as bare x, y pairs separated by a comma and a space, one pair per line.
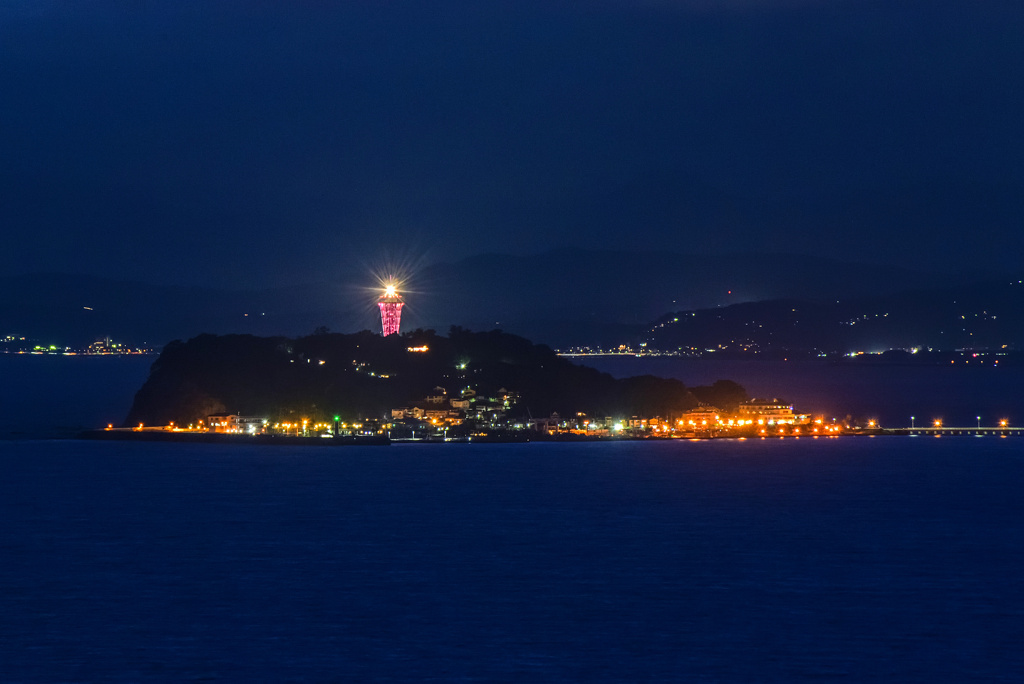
390, 310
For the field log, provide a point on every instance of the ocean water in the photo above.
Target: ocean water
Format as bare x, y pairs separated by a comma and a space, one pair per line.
63, 395
855, 560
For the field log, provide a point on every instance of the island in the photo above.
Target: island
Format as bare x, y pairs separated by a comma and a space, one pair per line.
414, 385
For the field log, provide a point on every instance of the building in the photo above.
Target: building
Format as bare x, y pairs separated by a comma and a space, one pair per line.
390, 310
771, 412
233, 423
439, 395
702, 416
407, 412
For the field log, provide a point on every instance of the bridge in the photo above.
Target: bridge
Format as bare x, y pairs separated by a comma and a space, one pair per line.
942, 431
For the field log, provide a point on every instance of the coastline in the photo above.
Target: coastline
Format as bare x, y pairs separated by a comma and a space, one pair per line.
216, 438
518, 438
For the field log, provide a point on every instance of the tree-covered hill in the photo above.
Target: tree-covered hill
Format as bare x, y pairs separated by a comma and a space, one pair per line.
979, 317
365, 375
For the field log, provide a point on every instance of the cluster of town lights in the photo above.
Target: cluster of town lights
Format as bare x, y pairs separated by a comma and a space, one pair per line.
768, 420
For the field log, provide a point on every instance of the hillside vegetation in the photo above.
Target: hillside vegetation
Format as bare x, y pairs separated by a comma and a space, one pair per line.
364, 375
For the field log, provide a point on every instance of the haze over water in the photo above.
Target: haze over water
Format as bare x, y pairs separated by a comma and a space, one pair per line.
886, 559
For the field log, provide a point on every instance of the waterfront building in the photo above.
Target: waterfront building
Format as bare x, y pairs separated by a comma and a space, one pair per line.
701, 417
772, 412
232, 423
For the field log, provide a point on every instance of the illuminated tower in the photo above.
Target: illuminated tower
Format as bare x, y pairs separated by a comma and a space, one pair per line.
390, 310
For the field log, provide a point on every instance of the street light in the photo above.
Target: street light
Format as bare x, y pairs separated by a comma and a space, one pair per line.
911, 422
979, 422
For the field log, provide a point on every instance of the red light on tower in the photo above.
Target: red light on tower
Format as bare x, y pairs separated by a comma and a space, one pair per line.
390, 310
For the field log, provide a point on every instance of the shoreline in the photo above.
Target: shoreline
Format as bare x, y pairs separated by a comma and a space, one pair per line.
383, 440
217, 438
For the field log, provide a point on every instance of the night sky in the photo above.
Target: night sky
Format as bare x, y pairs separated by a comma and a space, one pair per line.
263, 143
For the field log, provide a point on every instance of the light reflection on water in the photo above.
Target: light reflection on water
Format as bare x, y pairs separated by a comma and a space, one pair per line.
888, 559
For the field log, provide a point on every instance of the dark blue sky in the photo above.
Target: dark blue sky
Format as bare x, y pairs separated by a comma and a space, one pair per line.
240, 143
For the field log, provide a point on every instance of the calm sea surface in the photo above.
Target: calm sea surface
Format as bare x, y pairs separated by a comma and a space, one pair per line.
857, 560
62, 395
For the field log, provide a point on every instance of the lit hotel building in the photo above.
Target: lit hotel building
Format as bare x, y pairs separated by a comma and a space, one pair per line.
772, 411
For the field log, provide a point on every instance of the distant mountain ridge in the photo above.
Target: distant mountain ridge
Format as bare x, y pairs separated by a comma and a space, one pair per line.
986, 316
577, 296
560, 297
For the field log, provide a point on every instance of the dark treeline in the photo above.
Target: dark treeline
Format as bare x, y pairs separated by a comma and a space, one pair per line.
364, 375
